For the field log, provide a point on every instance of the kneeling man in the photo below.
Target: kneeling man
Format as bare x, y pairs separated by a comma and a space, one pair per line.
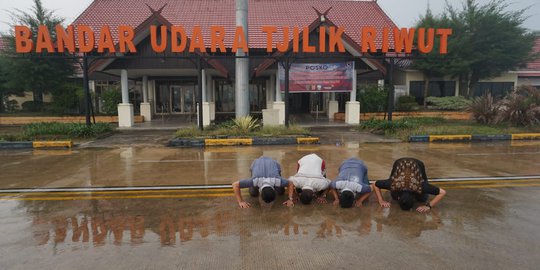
408, 183
310, 180
265, 180
352, 184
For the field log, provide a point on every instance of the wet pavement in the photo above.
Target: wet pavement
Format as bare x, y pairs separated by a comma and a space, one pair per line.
159, 166
481, 224
473, 228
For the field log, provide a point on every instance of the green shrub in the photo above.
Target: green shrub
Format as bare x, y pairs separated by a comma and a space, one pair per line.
71, 130
416, 121
521, 107
407, 104
111, 98
373, 99
449, 103
227, 131
33, 106
11, 105
384, 126
484, 109
13, 138
66, 99
246, 124
282, 130
390, 128
190, 132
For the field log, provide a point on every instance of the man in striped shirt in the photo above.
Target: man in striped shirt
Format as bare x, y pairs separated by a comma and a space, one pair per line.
265, 180
352, 184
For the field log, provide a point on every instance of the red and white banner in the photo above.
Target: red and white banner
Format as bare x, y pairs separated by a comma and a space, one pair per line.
312, 78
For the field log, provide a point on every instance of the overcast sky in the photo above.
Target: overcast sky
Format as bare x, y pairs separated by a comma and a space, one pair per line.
404, 12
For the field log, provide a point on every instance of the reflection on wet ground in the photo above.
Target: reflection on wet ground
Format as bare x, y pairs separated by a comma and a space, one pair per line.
472, 229
211, 166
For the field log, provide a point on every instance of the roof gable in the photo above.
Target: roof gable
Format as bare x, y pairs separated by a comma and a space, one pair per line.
352, 15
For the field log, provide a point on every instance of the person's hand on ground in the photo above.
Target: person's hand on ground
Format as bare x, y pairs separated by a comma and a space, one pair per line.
384, 204
288, 203
423, 209
335, 203
244, 205
358, 204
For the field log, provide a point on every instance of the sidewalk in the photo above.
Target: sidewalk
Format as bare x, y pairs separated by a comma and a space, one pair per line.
160, 136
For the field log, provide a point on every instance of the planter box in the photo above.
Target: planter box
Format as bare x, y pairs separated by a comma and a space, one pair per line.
10, 120
399, 115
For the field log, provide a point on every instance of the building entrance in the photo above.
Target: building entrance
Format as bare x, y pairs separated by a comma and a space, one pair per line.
306, 103
175, 98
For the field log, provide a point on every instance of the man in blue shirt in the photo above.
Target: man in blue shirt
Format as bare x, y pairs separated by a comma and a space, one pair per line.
265, 180
352, 184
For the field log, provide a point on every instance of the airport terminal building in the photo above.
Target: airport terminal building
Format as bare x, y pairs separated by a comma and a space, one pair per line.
168, 86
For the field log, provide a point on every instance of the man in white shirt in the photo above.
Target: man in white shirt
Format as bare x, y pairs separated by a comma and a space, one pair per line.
310, 180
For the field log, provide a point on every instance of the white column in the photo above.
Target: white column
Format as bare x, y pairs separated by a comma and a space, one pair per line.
210, 99
279, 104
242, 64
268, 93
278, 87
125, 86
146, 108
333, 106
125, 109
353, 92
352, 108
272, 89
205, 104
208, 87
203, 74
145, 88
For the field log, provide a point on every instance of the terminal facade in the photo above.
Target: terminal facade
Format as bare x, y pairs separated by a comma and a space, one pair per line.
168, 86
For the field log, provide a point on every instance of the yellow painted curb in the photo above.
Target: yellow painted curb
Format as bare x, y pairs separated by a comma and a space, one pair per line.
526, 136
433, 138
53, 144
227, 142
311, 140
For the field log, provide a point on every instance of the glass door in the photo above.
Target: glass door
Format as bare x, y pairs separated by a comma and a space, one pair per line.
183, 99
176, 101
188, 99
316, 102
174, 97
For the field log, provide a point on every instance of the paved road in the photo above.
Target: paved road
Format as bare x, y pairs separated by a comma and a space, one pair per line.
132, 166
479, 225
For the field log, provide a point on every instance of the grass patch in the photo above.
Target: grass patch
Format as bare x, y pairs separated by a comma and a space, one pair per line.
13, 138
419, 126
226, 130
56, 131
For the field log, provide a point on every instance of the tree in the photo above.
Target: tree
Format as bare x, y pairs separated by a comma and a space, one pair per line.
39, 75
431, 64
5, 91
487, 40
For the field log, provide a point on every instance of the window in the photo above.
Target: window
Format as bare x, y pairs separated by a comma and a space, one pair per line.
225, 96
497, 89
436, 89
257, 96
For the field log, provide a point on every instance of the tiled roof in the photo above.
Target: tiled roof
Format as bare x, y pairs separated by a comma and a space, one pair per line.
352, 15
533, 66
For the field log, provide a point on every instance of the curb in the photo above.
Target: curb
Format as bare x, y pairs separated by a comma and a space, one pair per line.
469, 138
242, 141
36, 145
